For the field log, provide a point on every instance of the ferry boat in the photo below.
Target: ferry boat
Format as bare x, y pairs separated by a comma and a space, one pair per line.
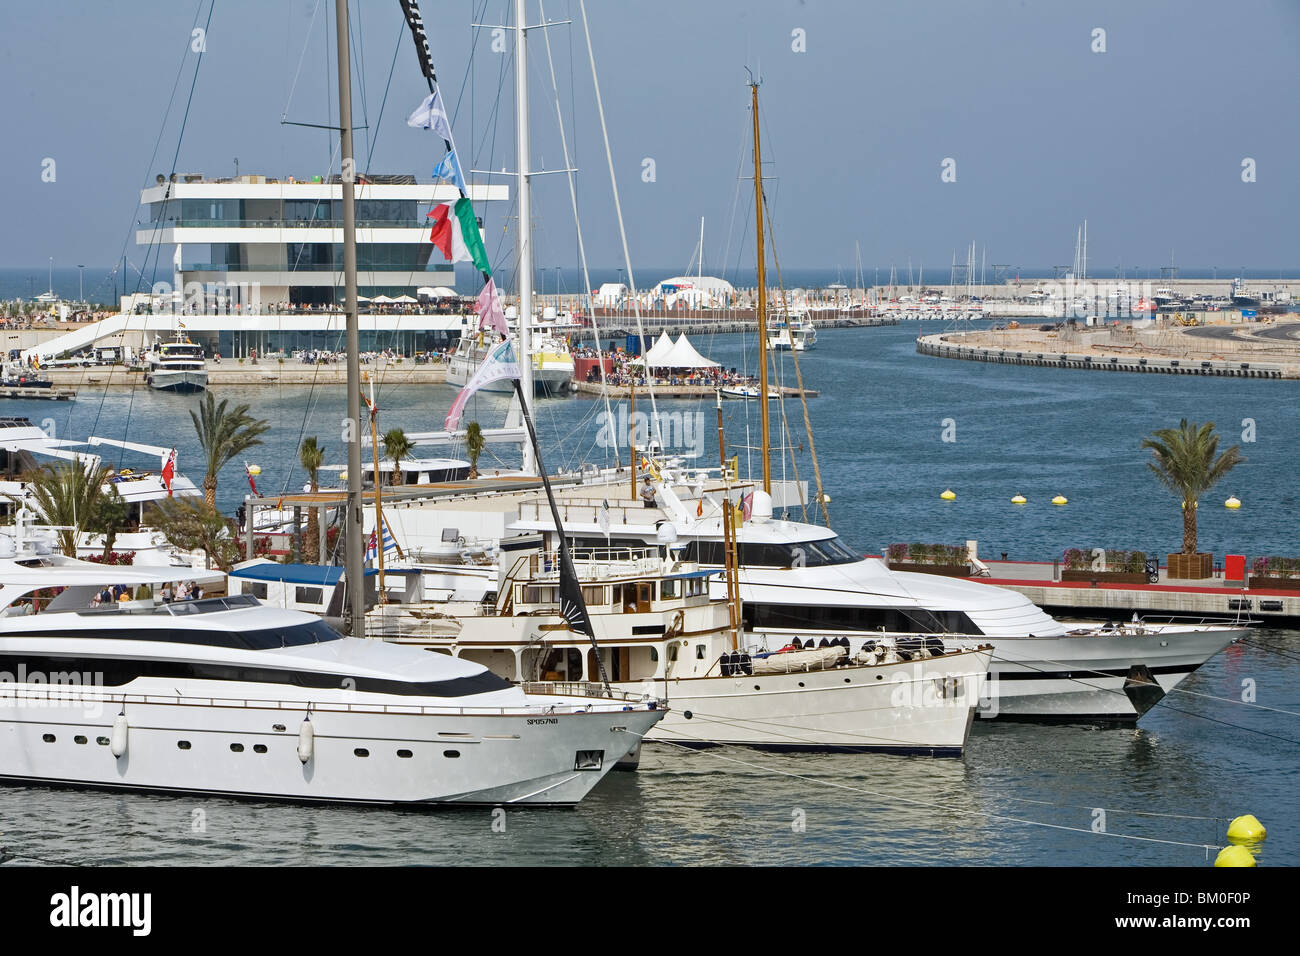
661, 635
177, 367
793, 332
227, 696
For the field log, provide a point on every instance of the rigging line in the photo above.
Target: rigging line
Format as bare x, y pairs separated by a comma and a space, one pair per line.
301, 57
401, 26
155, 245
803, 398
712, 752
622, 231
360, 71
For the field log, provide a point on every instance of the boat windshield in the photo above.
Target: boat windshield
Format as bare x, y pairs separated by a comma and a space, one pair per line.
801, 554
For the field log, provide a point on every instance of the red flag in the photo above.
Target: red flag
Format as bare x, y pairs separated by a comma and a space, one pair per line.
251, 483
440, 235
169, 471
747, 505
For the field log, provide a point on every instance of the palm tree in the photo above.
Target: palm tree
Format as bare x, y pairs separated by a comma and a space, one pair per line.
474, 442
312, 457
396, 446
1187, 462
224, 433
73, 498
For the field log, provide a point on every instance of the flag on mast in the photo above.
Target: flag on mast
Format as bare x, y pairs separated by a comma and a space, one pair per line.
490, 313
602, 518
449, 168
498, 364
456, 234
372, 545
431, 114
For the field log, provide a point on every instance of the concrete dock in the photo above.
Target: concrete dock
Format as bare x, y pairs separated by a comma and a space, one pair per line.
678, 391
1214, 597
1236, 350
231, 373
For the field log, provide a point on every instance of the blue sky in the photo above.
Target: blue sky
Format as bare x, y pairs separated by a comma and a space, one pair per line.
1145, 140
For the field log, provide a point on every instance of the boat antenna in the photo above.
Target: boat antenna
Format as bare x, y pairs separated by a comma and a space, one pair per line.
765, 414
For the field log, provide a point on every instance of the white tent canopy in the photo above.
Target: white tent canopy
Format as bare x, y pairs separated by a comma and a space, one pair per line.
655, 355
684, 355
383, 299
405, 299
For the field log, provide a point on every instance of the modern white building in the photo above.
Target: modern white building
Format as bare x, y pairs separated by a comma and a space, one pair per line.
257, 266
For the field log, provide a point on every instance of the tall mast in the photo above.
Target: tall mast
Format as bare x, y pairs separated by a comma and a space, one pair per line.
353, 548
762, 295
524, 240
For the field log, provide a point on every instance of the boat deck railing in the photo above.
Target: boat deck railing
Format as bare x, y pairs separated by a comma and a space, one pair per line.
582, 689
92, 696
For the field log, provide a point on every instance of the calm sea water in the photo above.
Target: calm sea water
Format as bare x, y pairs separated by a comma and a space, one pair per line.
879, 425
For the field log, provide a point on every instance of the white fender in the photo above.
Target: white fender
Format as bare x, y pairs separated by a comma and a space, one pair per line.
306, 740
117, 743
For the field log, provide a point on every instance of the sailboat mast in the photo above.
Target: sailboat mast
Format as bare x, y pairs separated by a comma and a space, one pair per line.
524, 239
353, 548
762, 296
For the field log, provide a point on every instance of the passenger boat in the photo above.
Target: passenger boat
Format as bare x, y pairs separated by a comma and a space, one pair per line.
177, 367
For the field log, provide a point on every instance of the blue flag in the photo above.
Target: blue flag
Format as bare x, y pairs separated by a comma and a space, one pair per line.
449, 168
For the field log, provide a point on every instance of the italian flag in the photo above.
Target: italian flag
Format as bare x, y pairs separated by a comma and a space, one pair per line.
455, 232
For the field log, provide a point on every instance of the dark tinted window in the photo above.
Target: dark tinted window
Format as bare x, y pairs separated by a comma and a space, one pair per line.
117, 672
810, 554
866, 619
314, 632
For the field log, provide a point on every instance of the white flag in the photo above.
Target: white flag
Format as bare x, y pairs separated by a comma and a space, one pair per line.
602, 518
430, 114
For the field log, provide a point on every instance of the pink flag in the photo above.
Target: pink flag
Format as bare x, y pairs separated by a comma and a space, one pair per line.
490, 314
499, 363
747, 505
169, 471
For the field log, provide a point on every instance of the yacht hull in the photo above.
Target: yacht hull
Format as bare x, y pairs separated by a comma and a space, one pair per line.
920, 707
456, 758
1094, 679
167, 380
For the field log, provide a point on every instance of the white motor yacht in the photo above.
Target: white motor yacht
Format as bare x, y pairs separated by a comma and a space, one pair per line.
797, 578
177, 367
228, 696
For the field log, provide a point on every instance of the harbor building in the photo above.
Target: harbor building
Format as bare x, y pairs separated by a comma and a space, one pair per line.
257, 267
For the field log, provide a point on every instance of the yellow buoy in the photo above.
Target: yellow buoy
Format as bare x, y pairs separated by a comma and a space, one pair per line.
949, 495
1019, 500
1060, 500
254, 470
1233, 502
1234, 856
1246, 829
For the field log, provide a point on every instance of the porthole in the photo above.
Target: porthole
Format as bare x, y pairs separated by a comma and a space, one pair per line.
362, 752
183, 744
237, 748
404, 753
48, 738
687, 714
451, 753
847, 681
801, 683
880, 677
102, 741
278, 728
79, 739
756, 687
259, 748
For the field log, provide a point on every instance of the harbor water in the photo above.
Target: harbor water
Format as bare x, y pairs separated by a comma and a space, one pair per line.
893, 430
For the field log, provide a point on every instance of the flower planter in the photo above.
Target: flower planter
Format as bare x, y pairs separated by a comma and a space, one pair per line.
1187, 567
1269, 581
1105, 577
949, 570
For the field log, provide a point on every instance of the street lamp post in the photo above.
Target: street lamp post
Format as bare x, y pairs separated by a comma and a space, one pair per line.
81, 284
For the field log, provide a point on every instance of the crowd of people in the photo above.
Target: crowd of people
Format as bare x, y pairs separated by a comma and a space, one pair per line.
627, 370
120, 593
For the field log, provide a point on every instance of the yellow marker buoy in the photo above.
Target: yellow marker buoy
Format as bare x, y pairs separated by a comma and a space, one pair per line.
1234, 856
1246, 829
1060, 500
949, 495
1019, 500
254, 470
1233, 502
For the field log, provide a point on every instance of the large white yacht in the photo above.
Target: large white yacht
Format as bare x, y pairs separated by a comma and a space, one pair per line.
662, 635
228, 696
177, 367
796, 577
792, 331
